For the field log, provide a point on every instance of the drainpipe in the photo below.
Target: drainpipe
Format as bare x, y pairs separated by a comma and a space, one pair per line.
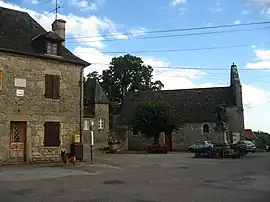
81, 103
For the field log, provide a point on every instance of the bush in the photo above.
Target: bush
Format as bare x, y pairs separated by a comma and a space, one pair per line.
157, 149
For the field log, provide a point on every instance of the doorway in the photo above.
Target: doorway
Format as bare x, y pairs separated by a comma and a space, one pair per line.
168, 141
18, 141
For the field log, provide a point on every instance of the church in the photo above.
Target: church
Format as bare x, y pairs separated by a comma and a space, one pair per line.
198, 109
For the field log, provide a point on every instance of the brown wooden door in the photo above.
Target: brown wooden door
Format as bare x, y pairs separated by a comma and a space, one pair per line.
18, 140
168, 141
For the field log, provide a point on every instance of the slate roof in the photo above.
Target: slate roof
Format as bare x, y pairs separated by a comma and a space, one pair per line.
17, 31
196, 105
97, 96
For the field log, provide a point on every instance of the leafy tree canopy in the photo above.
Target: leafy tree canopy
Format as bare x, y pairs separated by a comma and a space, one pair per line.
153, 117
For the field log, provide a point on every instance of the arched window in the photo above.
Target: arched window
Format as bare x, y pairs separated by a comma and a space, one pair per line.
206, 128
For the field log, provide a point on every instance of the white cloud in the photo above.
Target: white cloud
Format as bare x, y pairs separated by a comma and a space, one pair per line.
262, 54
32, 1
177, 2
262, 59
237, 22
83, 4
138, 31
250, 101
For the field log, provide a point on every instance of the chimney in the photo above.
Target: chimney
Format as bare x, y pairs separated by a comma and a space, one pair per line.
58, 27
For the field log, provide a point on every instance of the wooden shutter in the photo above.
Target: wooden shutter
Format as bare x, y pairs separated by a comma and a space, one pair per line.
51, 134
48, 86
56, 87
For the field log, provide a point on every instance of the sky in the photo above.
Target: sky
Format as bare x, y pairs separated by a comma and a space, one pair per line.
128, 21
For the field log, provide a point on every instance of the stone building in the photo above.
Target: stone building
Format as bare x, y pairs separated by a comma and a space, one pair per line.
198, 109
40, 89
96, 111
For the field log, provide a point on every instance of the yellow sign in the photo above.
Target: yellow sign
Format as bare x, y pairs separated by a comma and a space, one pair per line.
77, 138
1, 80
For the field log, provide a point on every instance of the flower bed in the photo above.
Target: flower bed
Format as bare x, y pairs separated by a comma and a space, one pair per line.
157, 149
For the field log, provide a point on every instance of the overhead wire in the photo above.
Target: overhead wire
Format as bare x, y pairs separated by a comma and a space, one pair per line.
174, 30
190, 68
180, 50
172, 36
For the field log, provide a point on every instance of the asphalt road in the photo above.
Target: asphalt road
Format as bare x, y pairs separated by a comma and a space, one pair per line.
142, 178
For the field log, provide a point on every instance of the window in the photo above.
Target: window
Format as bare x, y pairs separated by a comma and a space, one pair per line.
86, 125
52, 48
52, 86
101, 124
206, 128
51, 134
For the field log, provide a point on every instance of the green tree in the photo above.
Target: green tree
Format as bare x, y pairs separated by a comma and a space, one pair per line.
127, 74
153, 117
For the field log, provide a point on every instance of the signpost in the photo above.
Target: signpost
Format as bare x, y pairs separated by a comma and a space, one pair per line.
91, 141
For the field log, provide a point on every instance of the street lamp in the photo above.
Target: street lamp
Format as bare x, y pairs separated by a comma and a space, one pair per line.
91, 141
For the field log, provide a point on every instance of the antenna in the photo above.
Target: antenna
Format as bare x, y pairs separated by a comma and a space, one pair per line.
57, 7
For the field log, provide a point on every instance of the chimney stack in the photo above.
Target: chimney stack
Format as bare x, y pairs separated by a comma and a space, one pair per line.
59, 27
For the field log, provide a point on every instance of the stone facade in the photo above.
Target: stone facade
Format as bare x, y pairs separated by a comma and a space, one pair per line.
182, 138
34, 108
100, 135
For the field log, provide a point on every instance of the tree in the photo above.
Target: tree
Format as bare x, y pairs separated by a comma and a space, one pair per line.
87, 85
127, 74
153, 117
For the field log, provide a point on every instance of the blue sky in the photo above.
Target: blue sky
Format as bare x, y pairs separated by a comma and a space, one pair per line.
99, 17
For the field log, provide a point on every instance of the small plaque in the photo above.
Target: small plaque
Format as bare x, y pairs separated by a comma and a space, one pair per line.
77, 138
19, 92
20, 82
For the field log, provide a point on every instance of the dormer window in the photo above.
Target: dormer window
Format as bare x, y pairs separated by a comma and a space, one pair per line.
52, 48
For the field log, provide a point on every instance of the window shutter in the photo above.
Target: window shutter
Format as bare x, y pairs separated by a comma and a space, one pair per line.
47, 133
48, 86
56, 134
51, 134
56, 86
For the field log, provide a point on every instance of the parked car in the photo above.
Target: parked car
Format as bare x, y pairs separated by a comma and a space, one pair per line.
248, 145
200, 144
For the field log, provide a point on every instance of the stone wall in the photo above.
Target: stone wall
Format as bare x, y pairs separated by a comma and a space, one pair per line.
182, 138
100, 135
34, 108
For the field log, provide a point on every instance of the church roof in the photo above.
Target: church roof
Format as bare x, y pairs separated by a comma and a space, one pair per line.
195, 105
97, 96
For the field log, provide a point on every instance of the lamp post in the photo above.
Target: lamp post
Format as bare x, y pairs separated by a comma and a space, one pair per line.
91, 141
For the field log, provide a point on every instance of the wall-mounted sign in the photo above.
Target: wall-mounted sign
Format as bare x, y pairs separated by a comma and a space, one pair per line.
20, 83
77, 138
19, 92
1, 80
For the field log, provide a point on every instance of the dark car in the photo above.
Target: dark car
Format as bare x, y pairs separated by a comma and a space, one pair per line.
200, 145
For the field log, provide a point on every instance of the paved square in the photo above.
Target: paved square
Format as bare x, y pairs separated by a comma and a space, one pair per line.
142, 178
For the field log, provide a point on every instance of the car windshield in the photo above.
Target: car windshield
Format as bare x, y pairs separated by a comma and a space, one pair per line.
246, 142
